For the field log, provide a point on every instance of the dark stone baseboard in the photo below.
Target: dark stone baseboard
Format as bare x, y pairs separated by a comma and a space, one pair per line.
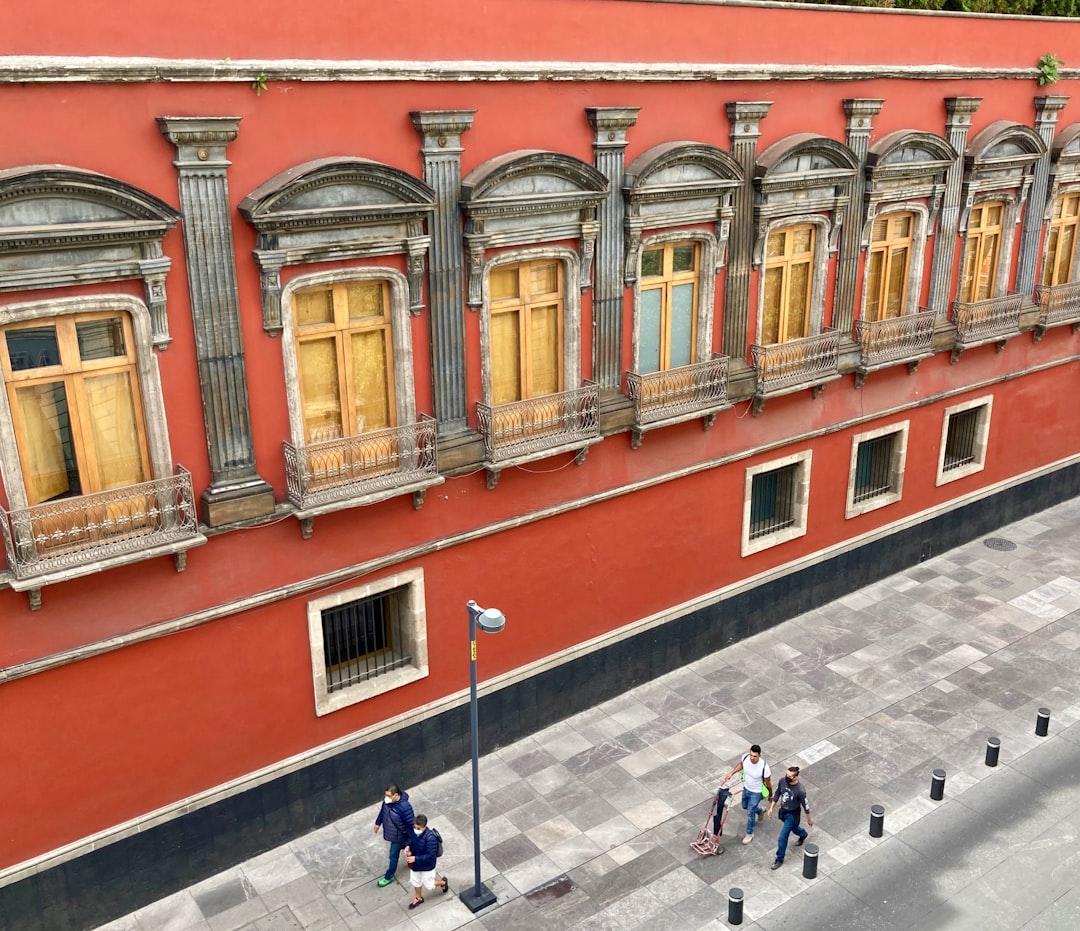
131, 873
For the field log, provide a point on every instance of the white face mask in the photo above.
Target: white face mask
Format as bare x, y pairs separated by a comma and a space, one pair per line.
416, 832
388, 800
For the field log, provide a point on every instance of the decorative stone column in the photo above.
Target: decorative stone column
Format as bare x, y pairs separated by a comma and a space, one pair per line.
1046, 117
745, 118
957, 125
609, 147
441, 131
860, 119
236, 492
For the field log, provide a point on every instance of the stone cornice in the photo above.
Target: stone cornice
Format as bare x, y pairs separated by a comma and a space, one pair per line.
26, 69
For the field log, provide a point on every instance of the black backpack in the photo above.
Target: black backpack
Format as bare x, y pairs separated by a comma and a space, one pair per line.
438, 838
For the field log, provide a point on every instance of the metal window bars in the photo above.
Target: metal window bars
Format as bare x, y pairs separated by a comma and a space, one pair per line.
772, 501
873, 468
960, 439
363, 639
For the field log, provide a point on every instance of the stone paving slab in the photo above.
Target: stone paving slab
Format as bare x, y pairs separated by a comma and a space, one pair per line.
587, 824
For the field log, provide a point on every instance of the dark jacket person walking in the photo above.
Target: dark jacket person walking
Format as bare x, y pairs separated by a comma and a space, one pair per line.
396, 820
791, 795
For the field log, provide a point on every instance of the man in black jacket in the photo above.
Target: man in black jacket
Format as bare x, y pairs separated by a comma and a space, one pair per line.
791, 795
396, 819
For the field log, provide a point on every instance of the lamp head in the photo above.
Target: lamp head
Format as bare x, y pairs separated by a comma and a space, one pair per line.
491, 620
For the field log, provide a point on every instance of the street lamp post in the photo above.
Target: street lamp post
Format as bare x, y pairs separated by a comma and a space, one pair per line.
490, 621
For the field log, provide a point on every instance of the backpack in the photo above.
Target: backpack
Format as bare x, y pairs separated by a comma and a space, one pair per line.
438, 839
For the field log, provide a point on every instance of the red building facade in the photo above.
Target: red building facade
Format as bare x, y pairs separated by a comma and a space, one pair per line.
574, 308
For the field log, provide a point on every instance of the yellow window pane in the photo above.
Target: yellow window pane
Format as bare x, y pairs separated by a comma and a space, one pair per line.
544, 278
902, 229
313, 307
1065, 254
371, 380
1071, 205
544, 351
802, 240
652, 263
796, 325
503, 283
365, 299
770, 311
992, 215
505, 358
881, 230
774, 245
987, 267
971, 264
1049, 276
47, 450
114, 430
320, 391
102, 338
873, 284
897, 281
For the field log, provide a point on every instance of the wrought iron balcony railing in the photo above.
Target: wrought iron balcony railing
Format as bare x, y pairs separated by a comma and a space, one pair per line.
908, 338
362, 469
1058, 304
70, 533
994, 320
808, 362
683, 393
522, 431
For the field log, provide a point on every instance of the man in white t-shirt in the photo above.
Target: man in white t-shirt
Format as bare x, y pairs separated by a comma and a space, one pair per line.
756, 777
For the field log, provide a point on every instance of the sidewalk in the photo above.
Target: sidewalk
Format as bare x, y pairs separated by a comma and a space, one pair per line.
587, 824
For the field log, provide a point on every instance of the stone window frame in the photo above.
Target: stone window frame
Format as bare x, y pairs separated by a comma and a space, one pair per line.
414, 627
800, 506
919, 239
818, 283
315, 212
115, 233
981, 441
153, 400
1064, 179
896, 469
401, 334
571, 323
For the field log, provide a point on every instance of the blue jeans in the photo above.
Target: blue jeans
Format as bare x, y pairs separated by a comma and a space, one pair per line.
789, 821
395, 851
750, 802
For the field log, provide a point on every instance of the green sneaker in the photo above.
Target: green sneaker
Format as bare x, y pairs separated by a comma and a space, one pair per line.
384, 882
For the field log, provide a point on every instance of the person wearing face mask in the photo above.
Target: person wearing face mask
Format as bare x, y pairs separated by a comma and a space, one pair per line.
422, 855
396, 820
791, 794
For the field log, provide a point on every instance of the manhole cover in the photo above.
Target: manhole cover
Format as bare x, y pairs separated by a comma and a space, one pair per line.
999, 543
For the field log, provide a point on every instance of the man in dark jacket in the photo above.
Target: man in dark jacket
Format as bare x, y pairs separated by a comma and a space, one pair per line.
791, 795
396, 820
422, 855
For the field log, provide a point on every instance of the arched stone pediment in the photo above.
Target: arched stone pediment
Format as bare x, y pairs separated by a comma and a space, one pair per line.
806, 152
1004, 141
531, 173
61, 226
907, 148
1067, 142
675, 165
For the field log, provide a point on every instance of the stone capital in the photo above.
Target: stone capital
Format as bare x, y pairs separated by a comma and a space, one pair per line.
745, 115
611, 123
200, 140
960, 109
442, 129
861, 112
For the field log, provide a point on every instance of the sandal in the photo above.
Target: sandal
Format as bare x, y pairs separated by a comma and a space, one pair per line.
445, 885
416, 902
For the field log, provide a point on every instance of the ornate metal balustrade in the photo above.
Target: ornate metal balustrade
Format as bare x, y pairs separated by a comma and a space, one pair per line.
361, 469
683, 393
72, 533
809, 362
908, 338
994, 320
1058, 304
522, 431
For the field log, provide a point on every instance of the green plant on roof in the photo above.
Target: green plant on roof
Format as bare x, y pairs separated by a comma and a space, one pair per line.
259, 84
1048, 68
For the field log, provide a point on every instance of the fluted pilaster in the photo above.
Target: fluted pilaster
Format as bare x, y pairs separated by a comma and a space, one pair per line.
236, 492
1046, 117
609, 147
860, 121
745, 118
957, 126
441, 131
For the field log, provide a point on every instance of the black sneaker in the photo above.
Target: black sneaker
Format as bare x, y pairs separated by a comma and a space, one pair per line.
776, 865
800, 841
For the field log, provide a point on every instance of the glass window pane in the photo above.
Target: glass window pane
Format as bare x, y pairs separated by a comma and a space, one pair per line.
652, 263
371, 393
365, 299
544, 351
683, 258
873, 284
897, 283
47, 446
987, 267
774, 245
1072, 205
649, 334
797, 318
313, 307
114, 430
320, 391
503, 283
681, 346
770, 312
100, 339
33, 348
802, 240
1049, 272
544, 278
1065, 254
505, 358
903, 226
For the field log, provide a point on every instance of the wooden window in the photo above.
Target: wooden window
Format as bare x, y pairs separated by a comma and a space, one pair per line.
669, 298
72, 384
526, 302
982, 252
789, 275
1061, 240
889, 265
345, 358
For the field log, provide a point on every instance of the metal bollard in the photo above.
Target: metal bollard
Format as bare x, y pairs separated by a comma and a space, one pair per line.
809, 861
877, 820
1042, 722
734, 905
993, 746
937, 785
